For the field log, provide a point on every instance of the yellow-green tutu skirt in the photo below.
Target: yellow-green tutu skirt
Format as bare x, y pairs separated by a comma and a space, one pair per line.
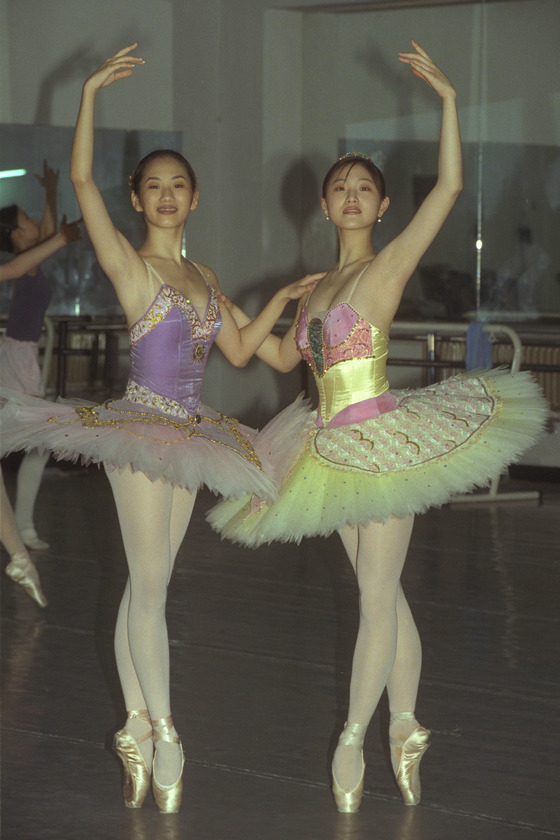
437, 442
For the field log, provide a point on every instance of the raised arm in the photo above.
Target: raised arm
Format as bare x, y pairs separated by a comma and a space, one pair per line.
49, 182
405, 251
114, 252
28, 260
240, 342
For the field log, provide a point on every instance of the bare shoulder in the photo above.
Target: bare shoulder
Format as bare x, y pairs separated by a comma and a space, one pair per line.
208, 273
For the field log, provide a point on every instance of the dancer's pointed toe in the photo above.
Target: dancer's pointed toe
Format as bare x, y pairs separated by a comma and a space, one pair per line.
408, 772
136, 778
349, 801
168, 798
22, 570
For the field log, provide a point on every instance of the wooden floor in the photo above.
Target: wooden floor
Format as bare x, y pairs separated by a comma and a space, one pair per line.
261, 643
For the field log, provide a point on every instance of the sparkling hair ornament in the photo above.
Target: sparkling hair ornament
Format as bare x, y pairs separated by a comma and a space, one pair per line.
356, 156
352, 158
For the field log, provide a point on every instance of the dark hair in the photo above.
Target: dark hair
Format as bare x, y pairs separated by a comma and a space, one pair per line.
8, 223
352, 158
136, 177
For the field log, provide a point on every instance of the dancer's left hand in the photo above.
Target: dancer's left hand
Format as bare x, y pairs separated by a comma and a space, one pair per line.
49, 178
223, 300
422, 66
301, 287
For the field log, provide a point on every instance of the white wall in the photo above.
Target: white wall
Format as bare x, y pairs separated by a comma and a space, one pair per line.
51, 47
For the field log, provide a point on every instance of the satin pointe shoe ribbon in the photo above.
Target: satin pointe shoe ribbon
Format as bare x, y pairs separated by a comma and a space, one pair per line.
168, 797
348, 801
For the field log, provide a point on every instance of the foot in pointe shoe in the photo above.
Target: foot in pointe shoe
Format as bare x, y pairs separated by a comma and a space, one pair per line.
31, 540
21, 569
411, 751
348, 801
168, 797
136, 780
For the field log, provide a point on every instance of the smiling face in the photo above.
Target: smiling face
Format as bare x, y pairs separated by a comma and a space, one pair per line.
352, 198
165, 193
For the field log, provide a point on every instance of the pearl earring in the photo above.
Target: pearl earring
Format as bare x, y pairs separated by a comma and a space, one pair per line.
327, 217
379, 218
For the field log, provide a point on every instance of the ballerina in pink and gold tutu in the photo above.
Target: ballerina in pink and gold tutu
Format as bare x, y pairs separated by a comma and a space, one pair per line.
367, 453
368, 459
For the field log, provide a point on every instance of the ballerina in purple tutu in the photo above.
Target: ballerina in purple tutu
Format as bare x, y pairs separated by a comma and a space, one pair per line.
158, 443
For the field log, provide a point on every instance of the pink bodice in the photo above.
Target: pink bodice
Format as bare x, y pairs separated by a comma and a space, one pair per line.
348, 357
342, 334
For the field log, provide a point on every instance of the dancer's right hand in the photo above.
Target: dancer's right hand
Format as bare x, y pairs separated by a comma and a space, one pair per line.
70, 230
119, 66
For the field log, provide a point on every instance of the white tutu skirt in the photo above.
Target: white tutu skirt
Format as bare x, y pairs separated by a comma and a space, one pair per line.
439, 441
208, 449
19, 366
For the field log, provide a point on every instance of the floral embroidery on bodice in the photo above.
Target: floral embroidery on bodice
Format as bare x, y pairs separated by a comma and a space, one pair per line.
342, 334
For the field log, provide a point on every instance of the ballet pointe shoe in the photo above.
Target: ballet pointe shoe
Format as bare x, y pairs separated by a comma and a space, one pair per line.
168, 797
136, 781
32, 540
348, 801
22, 570
412, 749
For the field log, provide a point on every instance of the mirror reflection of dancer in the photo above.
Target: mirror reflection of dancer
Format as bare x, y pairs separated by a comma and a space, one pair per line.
21, 568
19, 349
368, 460
19, 368
158, 443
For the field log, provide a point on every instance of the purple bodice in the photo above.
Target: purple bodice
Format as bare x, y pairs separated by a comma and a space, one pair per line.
168, 352
32, 295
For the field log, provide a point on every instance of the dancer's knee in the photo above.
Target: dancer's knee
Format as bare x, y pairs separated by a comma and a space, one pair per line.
148, 588
376, 605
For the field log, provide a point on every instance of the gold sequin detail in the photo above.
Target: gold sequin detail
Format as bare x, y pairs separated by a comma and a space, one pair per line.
143, 396
166, 299
191, 426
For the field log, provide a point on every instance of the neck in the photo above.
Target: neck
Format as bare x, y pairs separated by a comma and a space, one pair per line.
164, 244
354, 247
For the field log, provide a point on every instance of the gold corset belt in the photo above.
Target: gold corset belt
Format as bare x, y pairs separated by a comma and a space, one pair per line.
349, 382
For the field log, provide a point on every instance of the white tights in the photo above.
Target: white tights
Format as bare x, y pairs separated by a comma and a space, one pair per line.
28, 480
153, 517
388, 651
9, 534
